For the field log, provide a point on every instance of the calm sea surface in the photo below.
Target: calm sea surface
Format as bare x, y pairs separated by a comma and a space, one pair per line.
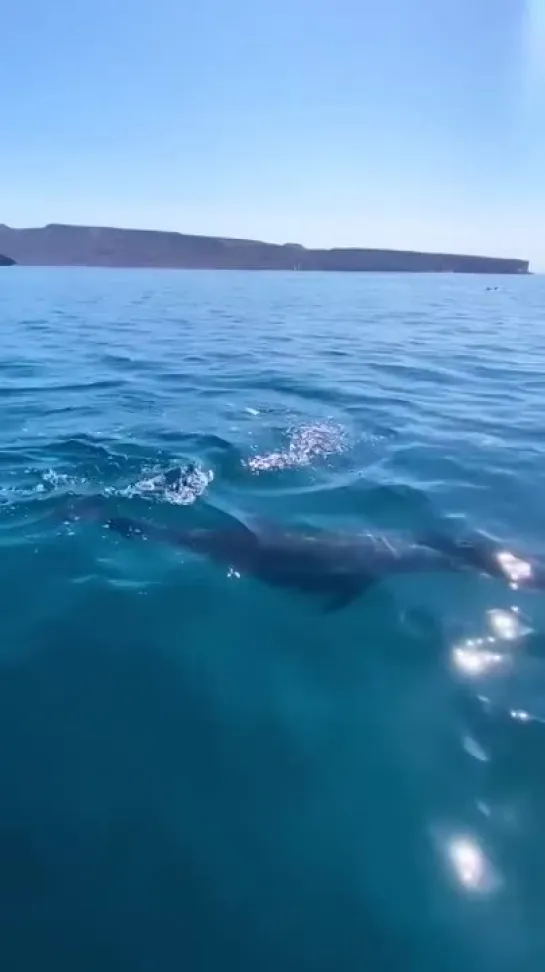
197, 771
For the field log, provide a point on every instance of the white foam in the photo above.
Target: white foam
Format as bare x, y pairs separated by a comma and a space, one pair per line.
308, 442
194, 485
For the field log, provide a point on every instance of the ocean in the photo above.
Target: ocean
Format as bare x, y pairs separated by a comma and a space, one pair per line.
201, 772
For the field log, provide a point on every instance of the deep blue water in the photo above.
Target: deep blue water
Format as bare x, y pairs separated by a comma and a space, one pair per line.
201, 772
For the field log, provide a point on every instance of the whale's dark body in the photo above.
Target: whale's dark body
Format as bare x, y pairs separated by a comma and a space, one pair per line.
337, 566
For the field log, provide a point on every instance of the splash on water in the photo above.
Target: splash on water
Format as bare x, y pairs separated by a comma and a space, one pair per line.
54, 480
179, 486
40, 483
181, 490
306, 443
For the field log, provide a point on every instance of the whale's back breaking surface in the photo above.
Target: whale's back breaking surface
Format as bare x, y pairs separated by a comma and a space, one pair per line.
336, 565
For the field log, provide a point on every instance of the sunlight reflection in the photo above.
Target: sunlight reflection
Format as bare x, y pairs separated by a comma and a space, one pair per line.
476, 657
505, 625
470, 660
474, 749
514, 569
470, 865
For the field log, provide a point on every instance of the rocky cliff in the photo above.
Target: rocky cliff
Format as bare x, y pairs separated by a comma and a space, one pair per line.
60, 245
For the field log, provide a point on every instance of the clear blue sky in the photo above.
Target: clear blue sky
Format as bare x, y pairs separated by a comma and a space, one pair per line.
403, 123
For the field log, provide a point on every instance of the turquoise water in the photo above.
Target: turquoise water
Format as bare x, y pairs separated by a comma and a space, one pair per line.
201, 772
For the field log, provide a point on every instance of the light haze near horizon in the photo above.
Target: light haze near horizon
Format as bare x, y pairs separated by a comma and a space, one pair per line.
411, 124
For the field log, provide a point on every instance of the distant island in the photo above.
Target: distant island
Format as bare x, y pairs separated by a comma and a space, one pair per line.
6, 262
95, 246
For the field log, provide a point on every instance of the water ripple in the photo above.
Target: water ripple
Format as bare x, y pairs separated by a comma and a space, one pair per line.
283, 787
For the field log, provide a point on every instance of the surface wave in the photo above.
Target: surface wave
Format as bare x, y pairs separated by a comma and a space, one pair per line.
265, 785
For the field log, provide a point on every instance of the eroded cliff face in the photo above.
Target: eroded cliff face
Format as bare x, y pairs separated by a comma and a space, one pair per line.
60, 245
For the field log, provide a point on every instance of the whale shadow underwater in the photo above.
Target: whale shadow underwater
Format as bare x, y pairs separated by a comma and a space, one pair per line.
335, 566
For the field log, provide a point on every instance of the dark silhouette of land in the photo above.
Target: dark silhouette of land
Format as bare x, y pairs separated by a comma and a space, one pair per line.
5, 261
61, 245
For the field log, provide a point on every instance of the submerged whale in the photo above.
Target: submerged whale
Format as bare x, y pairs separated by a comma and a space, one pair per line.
337, 566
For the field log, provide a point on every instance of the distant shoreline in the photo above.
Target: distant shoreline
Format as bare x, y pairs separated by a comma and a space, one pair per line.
89, 246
